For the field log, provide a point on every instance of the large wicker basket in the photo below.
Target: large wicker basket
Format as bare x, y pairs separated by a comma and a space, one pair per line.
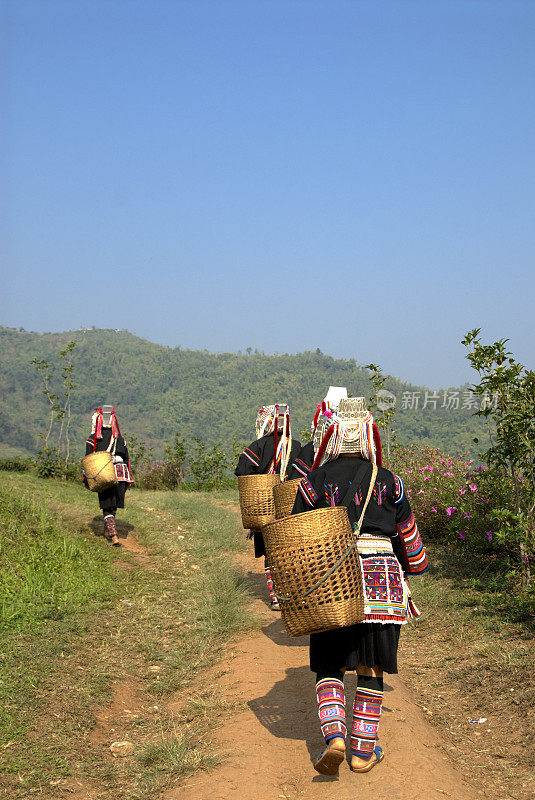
284, 496
316, 570
99, 471
256, 499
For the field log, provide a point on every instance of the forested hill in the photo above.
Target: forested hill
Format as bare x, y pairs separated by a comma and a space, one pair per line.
159, 390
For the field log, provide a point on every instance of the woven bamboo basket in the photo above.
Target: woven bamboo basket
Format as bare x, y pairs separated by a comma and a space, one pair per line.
284, 496
256, 499
301, 550
99, 471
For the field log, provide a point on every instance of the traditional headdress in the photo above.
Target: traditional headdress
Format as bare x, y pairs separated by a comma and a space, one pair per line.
329, 404
275, 419
349, 430
104, 417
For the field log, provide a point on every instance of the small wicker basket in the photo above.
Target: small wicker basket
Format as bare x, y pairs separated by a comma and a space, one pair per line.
316, 570
99, 471
284, 496
256, 500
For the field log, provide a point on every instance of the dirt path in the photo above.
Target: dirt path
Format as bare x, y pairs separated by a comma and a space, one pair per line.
270, 742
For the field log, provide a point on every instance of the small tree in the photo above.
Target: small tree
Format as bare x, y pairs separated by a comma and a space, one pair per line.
382, 403
176, 460
507, 391
49, 457
139, 453
207, 466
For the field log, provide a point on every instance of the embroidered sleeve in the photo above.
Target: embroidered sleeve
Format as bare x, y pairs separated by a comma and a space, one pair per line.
307, 490
399, 490
301, 467
89, 445
414, 551
249, 461
253, 457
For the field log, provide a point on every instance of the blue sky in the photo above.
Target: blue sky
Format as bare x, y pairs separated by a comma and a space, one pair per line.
285, 175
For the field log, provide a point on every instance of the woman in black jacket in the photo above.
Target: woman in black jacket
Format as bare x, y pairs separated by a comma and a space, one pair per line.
347, 447
106, 436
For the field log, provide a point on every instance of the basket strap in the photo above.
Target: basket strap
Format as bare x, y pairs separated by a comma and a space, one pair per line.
355, 533
356, 529
92, 477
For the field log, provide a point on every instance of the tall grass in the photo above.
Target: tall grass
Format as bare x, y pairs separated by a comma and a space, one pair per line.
43, 573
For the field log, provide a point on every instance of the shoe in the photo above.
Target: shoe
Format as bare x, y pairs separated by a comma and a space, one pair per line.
275, 605
329, 761
114, 540
379, 755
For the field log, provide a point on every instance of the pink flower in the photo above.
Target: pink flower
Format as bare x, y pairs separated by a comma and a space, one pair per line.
463, 491
450, 510
461, 535
434, 509
472, 487
421, 491
489, 536
467, 515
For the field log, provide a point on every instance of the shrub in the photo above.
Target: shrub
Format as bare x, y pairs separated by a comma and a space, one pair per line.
16, 464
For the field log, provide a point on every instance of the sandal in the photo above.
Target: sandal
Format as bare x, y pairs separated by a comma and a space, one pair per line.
379, 755
329, 761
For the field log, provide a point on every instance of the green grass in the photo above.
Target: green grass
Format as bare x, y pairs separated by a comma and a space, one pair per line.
44, 574
79, 618
467, 659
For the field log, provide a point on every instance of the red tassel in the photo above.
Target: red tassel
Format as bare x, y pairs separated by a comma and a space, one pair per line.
378, 446
275, 438
115, 432
323, 445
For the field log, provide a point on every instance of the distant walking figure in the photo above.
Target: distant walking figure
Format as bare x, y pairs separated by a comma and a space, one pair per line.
271, 453
106, 436
348, 455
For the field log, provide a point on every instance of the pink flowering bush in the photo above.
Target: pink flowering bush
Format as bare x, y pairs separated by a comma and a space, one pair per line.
159, 475
458, 503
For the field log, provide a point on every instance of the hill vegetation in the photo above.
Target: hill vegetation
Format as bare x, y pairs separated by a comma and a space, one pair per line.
160, 390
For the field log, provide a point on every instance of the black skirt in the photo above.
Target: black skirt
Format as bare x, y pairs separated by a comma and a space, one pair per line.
371, 644
259, 546
113, 497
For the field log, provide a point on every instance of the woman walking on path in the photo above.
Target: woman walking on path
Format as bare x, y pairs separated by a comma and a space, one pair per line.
348, 456
106, 436
271, 453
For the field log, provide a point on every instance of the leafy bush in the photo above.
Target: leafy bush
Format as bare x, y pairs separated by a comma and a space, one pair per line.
472, 509
158, 475
49, 463
16, 464
207, 465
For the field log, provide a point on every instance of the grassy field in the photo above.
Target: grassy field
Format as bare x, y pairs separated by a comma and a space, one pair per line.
101, 644
84, 627
468, 662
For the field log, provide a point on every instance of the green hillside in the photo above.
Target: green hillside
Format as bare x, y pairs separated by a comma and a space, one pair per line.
158, 390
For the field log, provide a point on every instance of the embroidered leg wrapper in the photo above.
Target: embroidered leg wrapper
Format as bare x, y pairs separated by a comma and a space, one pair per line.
332, 708
272, 595
366, 713
110, 526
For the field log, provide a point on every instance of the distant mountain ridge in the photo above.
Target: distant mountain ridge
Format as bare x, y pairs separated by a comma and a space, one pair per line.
159, 390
